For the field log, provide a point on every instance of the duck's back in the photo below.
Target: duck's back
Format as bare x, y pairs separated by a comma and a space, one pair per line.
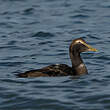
52, 70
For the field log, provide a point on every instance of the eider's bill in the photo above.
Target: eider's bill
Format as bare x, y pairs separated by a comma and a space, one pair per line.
90, 48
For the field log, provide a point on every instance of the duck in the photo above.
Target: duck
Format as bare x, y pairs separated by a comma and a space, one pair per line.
78, 67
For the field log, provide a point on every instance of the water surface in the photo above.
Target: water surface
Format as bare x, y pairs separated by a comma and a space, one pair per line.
37, 33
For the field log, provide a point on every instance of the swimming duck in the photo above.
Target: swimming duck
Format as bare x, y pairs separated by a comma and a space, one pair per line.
78, 67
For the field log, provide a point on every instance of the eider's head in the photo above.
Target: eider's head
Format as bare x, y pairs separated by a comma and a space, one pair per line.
79, 45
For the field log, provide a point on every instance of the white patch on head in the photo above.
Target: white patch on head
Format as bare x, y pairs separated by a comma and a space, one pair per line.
79, 41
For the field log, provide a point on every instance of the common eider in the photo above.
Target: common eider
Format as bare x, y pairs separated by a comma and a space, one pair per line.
78, 67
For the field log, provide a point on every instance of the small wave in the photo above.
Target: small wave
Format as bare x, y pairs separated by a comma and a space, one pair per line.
42, 34
28, 11
80, 16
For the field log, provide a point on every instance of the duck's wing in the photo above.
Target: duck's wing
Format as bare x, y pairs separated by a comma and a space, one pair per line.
52, 70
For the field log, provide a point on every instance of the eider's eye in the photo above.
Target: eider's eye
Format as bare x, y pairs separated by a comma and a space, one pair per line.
79, 42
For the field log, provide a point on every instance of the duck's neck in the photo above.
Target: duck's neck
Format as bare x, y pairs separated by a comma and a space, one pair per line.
77, 63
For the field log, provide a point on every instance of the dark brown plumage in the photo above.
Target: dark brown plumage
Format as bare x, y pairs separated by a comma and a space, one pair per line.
78, 67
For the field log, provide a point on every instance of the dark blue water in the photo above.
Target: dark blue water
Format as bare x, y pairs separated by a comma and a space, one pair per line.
37, 33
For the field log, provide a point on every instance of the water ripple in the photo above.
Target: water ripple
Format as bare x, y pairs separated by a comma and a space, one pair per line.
42, 34
37, 33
